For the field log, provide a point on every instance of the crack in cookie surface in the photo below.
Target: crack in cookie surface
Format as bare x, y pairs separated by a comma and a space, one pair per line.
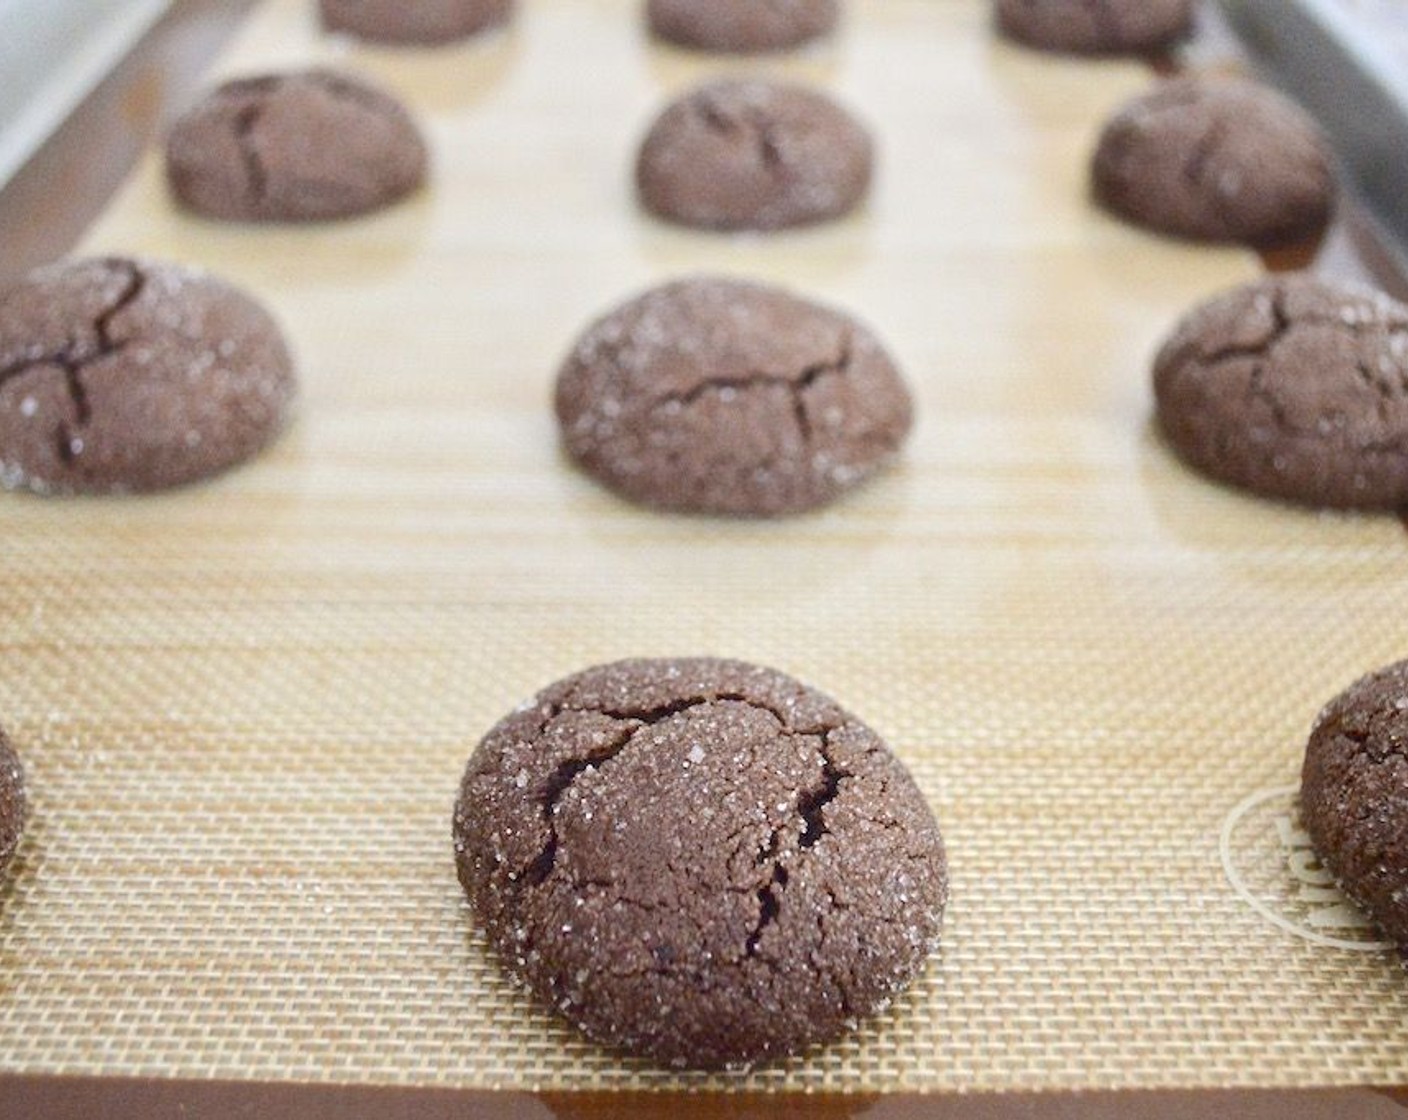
753, 154
125, 375
76, 355
795, 384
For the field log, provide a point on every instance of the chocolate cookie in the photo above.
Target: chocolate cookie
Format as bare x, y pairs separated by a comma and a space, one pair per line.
297, 147
1096, 26
699, 861
1354, 795
741, 26
1218, 159
719, 396
1295, 389
12, 802
120, 375
413, 22
758, 155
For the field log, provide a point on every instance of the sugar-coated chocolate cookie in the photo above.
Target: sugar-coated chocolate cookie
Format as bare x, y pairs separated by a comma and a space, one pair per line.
1216, 159
1095, 26
720, 396
413, 22
1354, 795
741, 26
699, 861
1292, 388
303, 146
128, 375
757, 155
12, 802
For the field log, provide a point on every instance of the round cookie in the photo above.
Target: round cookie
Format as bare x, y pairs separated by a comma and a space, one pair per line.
12, 802
1095, 26
131, 375
741, 26
720, 396
1216, 159
699, 861
298, 147
756, 155
1354, 795
1292, 388
413, 22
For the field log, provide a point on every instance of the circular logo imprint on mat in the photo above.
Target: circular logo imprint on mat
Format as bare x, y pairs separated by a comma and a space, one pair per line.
1271, 865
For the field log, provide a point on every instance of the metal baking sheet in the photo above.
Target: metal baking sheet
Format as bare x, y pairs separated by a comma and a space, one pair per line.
52, 54
245, 706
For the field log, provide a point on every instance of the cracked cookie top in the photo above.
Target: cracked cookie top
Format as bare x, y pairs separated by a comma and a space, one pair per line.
1216, 159
1292, 388
12, 801
1354, 795
720, 396
698, 860
298, 147
741, 26
1095, 26
132, 375
753, 155
413, 22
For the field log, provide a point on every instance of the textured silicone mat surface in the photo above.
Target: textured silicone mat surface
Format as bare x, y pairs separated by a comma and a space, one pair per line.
245, 707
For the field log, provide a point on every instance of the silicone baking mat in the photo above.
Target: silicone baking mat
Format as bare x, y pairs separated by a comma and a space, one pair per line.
245, 706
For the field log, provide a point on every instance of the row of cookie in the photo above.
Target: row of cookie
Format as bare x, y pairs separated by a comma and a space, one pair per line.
121, 375
727, 26
1203, 158
640, 826
1215, 159
757, 26
1221, 160
1356, 414
705, 395
316, 145
730, 26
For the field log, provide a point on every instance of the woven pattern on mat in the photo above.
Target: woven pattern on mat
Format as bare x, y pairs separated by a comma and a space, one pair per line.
245, 707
